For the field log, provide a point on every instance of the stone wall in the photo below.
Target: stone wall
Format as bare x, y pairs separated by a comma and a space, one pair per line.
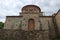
13, 22
57, 19
10, 34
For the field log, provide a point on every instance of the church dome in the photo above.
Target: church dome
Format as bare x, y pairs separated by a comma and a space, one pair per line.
31, 8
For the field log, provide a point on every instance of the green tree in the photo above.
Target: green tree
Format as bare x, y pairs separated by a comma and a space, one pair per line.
1, 25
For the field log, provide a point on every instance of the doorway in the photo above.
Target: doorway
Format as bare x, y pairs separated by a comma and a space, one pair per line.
31, 24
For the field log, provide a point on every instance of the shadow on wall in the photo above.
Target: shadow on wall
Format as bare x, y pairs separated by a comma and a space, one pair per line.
57, 37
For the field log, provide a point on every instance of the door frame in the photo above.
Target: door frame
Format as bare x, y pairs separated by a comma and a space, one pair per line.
33, 24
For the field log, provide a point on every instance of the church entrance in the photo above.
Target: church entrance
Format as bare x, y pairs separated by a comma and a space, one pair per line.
31, 24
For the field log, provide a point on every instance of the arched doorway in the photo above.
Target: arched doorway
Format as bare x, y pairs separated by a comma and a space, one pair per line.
31, 24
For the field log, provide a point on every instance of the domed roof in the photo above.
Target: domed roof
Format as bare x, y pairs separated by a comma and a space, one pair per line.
31, 6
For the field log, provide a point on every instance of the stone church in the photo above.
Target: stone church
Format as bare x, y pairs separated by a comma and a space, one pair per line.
31, 18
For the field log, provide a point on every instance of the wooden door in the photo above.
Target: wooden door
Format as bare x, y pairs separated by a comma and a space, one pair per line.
31, 24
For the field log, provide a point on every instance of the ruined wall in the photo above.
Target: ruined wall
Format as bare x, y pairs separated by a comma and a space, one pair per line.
6, 34
57, 19
46, 23
12, 22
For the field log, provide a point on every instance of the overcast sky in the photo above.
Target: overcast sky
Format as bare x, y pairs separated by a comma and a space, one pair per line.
13, 7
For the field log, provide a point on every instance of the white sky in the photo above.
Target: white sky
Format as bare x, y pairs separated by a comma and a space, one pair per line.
13, 7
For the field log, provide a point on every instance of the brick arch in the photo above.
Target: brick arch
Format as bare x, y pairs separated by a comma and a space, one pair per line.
31, 24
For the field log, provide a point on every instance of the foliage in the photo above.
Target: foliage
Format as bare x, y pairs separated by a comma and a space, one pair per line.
1, 25
57, 37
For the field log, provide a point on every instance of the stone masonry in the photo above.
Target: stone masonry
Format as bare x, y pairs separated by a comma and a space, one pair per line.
31, 24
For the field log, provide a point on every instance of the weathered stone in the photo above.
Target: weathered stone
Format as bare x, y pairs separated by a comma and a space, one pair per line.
6, 34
